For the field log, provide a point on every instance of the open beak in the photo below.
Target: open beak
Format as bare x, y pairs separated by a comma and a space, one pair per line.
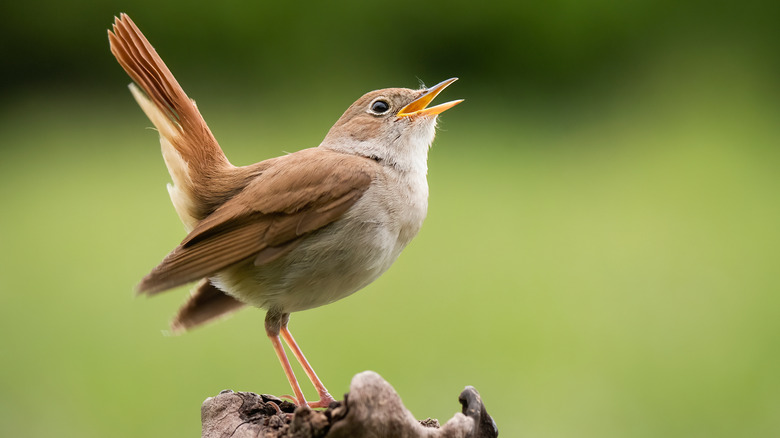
418, 107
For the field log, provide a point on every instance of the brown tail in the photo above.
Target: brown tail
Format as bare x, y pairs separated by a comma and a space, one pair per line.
191, 152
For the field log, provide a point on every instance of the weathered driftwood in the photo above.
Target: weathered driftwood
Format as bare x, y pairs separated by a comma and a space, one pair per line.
372, 408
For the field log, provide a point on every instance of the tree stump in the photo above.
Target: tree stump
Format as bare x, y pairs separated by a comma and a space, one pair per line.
372, 409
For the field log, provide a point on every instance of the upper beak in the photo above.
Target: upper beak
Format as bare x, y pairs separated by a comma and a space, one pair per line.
418, 107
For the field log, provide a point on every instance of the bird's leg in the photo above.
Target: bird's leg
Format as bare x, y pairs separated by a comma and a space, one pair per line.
325, 398
273, 323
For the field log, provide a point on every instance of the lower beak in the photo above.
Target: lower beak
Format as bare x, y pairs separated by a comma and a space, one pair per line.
418, 107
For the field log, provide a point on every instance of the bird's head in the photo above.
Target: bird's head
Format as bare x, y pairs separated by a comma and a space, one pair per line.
394, 126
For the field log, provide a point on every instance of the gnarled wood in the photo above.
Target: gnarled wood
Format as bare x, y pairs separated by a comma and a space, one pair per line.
372, 408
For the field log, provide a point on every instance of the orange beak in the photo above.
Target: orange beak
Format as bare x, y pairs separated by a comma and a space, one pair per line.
418, 107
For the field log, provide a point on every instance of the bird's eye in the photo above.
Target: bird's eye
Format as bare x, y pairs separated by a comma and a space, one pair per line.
380, 107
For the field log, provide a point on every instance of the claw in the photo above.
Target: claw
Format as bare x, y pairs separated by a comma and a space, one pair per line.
324, 402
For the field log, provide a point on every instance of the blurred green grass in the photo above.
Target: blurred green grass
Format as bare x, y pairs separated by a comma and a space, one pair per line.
600, 266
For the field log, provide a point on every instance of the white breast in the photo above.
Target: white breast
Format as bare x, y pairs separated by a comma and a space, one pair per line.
341, 258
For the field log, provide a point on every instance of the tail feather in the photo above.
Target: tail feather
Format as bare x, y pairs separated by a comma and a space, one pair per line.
139, 59
181, 191
192, 154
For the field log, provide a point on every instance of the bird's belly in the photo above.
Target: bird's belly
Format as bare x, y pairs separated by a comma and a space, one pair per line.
328, 265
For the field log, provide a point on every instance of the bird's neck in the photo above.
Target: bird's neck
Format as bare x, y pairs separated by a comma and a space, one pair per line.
406, 153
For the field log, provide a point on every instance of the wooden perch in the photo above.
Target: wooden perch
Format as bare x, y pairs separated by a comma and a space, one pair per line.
372, 408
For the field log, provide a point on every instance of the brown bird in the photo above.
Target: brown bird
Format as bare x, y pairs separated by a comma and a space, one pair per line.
293, 232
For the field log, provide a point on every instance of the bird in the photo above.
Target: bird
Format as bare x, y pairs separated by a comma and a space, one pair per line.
289, 233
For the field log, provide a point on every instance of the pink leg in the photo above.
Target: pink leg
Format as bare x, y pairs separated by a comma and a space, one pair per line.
325, 397
277, 343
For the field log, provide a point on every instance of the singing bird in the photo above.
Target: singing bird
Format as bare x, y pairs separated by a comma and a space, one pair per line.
290, 233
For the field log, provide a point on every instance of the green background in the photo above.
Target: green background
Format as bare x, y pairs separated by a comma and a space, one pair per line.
600, 257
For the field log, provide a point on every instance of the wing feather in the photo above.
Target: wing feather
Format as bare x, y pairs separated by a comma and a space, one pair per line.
184, 265
296, 195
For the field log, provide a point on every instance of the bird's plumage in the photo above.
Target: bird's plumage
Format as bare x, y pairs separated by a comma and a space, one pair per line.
260, 224
293, 232
261, 213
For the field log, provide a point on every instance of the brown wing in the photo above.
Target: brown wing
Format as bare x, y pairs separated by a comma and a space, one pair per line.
295, 195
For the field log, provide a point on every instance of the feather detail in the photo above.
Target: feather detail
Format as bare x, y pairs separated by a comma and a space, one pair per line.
205, 304
268, 217
194, 159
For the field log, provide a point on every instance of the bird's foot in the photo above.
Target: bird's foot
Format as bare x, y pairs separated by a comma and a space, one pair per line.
324, 401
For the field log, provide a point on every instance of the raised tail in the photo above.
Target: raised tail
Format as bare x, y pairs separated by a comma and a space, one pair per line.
192, 154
